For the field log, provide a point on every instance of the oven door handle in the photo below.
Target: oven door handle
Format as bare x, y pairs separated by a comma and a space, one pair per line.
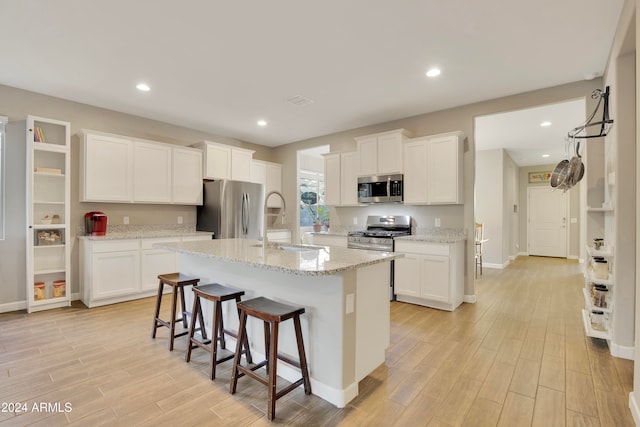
369, 247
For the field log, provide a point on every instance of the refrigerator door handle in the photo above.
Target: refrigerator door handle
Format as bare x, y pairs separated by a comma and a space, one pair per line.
243, 215
248, 222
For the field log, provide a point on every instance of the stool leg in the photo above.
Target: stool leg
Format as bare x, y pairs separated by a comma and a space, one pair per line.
247, 350
301, 355
242, 335
172, 324
183, 308
192, 327
223, 343
273, 363
267, 342
157, 310
203, 331
217, 315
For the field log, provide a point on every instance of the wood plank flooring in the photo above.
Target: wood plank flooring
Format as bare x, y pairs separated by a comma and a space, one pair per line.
518, 357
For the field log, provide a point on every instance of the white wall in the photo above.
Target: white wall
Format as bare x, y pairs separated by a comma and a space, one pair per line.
489, 204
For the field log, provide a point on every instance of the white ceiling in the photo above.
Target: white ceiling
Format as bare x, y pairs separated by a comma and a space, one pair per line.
520, 134
219, 66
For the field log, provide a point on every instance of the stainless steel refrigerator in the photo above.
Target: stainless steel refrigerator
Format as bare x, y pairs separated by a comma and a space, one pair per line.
232, 209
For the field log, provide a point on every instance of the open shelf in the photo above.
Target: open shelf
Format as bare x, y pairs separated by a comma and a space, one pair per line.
589, 305
591, 277
605, 335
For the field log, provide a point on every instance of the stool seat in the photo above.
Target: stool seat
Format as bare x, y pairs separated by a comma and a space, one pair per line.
271, 313
177, 281
217, 294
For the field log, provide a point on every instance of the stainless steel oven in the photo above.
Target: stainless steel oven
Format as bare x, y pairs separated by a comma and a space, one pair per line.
379, 236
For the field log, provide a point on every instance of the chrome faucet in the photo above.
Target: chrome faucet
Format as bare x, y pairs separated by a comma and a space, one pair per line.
266, 214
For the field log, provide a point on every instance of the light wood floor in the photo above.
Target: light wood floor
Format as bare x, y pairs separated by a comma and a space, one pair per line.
517, 357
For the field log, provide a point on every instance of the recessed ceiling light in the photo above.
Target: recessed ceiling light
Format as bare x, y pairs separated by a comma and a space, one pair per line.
546, 155
262, 122
433, 72
545, 124
143, 87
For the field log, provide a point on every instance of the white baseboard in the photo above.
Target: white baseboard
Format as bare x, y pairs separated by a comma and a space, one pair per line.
523, 253
471, 299
22, 305
573, 257
634, 407
13, 306
494, 265
622, 351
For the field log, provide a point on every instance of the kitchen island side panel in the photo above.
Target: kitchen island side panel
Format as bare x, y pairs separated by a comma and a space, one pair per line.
329, 332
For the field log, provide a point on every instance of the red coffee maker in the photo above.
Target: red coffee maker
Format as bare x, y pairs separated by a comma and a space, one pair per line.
95, 224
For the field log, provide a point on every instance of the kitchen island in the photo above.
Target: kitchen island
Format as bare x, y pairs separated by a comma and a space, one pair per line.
345, 293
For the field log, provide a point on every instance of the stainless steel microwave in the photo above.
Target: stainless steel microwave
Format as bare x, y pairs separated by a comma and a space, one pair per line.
380, 189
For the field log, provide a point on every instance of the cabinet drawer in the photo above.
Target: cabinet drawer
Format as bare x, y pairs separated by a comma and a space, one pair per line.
422, 248
148, 243
115, 246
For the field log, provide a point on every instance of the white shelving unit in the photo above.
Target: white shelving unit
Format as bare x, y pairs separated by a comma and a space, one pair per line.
48, 191
608, 309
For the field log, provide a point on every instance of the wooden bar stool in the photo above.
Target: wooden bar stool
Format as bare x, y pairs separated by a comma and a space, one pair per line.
217, 294
177, 281
271, 313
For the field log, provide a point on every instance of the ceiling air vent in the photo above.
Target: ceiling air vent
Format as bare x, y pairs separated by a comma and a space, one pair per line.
299, 101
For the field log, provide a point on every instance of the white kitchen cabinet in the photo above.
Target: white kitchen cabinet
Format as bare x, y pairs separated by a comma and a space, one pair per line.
156, 261
430, 274
322, 239
433, 169
120, 169
258, 171
106, 172
48, 272
445, 167
348, 179
332, 183
270, 175
341, 179
279, 236
120, 270
381, 153
186, 175
152, 180
225, 161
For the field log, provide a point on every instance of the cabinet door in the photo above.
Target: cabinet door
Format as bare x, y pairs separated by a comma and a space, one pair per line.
151, 172
187, 176
108, 169
273, 183
332, 179
115, 273
444, 170
154, 262
435, 278
407, 275
217, 162
348, 179
368, 155
259, 172
415, 172
390, 154
241, 164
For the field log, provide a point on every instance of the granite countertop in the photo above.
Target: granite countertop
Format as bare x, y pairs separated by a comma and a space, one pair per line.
149, 234
305, 260
437, 235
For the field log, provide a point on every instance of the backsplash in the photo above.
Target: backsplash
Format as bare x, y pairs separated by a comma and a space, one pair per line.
148, 228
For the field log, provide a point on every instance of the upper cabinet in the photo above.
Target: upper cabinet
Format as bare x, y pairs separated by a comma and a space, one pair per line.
120, 169
341, 179
434, 169
226, 162
270, 175
381, 153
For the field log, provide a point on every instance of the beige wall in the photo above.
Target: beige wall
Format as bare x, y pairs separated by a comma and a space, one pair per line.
17, 104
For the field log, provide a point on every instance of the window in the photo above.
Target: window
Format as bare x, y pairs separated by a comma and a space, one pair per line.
311, 189
3, 122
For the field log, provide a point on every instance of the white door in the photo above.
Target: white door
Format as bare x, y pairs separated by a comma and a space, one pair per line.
547, 217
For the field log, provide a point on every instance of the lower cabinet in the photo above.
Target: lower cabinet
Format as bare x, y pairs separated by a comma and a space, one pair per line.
113, 271
430, 274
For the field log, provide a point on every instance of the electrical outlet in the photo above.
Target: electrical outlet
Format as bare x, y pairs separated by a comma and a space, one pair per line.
355, 220
179, 219
125, 220
350, 304
437, 222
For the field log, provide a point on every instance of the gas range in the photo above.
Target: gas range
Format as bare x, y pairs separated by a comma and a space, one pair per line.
380, 233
